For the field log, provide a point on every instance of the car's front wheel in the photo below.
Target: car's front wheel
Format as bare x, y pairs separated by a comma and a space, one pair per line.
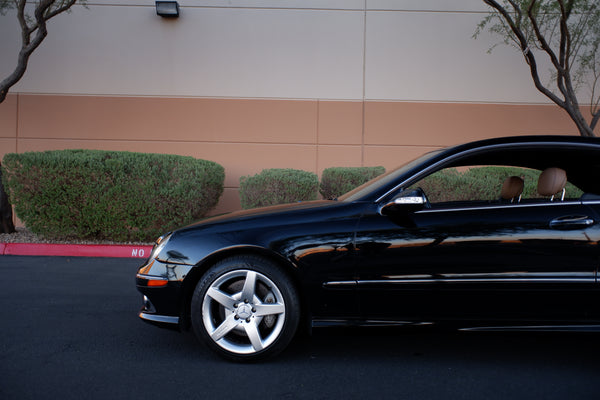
245, 308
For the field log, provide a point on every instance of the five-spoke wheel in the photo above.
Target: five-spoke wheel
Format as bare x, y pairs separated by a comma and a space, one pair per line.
245, 308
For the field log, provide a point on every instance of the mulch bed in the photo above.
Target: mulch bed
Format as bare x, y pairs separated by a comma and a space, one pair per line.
22, 235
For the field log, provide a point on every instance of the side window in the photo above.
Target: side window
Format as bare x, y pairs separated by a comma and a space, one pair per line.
481, 185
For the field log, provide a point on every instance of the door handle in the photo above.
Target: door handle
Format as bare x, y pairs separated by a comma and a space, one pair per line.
571, 222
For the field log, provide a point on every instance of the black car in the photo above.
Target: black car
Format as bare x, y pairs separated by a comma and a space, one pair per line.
424, 244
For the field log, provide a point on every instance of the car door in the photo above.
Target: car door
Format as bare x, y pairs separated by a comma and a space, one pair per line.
527, 262
592, 205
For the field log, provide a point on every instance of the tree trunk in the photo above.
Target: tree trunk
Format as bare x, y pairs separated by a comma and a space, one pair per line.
6, 222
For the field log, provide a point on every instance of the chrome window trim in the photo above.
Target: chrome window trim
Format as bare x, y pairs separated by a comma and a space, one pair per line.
503, 206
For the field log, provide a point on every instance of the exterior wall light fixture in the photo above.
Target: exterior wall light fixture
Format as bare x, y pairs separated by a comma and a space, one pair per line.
167, 9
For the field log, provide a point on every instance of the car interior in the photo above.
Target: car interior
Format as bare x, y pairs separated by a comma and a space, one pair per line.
512, 176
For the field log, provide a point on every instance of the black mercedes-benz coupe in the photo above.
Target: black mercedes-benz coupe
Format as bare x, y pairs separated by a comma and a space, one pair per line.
442, 240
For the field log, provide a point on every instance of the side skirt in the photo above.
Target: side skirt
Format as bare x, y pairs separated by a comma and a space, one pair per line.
535, 328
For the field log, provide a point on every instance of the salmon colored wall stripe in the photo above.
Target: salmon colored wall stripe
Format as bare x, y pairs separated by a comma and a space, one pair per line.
435, 124
8, 116
8, 125
168, 119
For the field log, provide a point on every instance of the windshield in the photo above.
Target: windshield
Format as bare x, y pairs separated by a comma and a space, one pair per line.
384, 180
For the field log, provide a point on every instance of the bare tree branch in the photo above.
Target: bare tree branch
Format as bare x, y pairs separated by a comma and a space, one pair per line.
524, 45
567, 32
33, 33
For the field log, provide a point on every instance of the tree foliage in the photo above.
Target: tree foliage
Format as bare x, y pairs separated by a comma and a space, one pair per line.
33, 17
567, 34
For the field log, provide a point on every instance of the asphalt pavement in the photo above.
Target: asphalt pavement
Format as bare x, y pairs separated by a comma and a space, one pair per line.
69, 330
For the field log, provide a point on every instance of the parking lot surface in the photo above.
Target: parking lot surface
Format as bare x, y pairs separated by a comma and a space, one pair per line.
70, 330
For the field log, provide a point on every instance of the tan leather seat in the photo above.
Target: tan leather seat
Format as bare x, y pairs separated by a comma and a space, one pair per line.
512, 188
551, 182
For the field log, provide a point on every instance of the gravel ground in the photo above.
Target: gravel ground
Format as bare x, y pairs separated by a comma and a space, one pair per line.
22, 235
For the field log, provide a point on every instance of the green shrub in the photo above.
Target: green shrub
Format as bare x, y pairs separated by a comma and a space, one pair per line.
277, 186
339, 180
99, 195
481, 183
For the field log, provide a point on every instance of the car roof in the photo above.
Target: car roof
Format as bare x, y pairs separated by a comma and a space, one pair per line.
532, 139
550, 151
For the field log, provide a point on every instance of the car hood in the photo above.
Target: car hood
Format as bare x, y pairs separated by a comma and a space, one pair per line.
263, 212
267, 228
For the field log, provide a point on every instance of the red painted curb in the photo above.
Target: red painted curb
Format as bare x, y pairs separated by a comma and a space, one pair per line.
78, 250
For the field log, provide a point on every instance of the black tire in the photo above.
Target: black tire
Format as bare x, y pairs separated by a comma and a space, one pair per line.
245, 308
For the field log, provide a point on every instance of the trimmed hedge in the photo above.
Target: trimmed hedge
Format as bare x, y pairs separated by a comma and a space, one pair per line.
277, 186
339, 180
109, 195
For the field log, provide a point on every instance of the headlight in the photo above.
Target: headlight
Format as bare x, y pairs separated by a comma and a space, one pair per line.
160, 244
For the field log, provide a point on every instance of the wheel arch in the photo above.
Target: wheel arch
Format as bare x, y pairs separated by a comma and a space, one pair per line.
196, 273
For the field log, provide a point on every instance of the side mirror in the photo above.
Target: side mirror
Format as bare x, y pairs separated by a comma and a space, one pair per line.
406, 202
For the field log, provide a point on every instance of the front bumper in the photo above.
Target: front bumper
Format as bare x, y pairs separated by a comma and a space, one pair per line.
148, 314
161, 285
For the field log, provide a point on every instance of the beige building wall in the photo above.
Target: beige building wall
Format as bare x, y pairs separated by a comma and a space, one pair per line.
254, 84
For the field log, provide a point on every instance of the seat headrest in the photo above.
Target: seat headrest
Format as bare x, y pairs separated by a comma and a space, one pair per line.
552, 181
512, 187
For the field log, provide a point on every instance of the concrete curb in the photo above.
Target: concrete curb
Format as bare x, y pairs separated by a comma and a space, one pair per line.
75, 250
